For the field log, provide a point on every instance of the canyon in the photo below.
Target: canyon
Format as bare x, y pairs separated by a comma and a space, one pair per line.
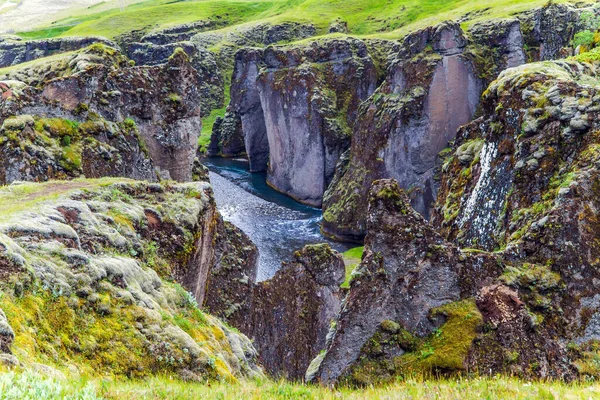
464, 157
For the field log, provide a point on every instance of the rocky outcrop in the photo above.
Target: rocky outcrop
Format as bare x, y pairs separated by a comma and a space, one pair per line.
232, 278
431, 89
549, 30
411, 122
407, 287
292, 312
522, 179
501, 43
93, 263
227, 137
91, 113
310, 97
13, 51
289, 316
310, 129
210, 80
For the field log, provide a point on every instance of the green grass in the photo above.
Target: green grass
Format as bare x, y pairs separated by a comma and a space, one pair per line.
26, 196
352, 258
385, 18
31, 386
209, 120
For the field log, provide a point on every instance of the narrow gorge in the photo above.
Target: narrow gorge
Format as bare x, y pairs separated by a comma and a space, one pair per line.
270, 192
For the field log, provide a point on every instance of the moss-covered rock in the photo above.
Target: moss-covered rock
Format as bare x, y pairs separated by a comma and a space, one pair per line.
410, 307
91, 285
110, 118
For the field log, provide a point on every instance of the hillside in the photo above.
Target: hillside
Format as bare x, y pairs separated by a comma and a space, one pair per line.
380, 18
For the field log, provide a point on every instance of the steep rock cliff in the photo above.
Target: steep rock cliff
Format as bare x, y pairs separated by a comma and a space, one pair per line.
534, 161
297, 107
292, 313
407, 287
310, 98
431, 89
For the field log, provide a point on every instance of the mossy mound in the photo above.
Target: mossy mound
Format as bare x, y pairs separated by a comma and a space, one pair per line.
87, 284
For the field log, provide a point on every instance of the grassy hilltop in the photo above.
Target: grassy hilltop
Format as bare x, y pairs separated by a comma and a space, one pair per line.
385, 18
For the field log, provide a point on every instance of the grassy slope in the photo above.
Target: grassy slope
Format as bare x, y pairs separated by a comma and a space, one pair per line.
386, 18
26, 196
352, 258
18, 385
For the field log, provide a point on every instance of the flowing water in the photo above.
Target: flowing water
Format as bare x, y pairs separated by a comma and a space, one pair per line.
277, 224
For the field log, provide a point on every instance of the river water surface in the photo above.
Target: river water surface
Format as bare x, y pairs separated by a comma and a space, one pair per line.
277, 224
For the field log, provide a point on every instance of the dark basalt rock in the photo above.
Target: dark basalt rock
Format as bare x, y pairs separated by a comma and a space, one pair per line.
232, 279
408, 271
401, 129
549, 30
210, 83
245, 102
227, 137
523, 179
292, 312
305, 131
309, 97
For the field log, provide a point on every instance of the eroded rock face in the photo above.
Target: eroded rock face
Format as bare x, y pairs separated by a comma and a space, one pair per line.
309, 98
245, 101
503, 40
292, 312
402, 128
227, 137
210, 80
549, 30
515, 343
141, 122
99, 260
13, 52
407, 272
232, 278
289, 316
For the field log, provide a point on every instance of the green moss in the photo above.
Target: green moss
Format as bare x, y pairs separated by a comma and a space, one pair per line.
450, 344
444, 351
60, 127
532, 276
71, 158
60, 331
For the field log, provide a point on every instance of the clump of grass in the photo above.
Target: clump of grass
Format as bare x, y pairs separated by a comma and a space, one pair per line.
352, 259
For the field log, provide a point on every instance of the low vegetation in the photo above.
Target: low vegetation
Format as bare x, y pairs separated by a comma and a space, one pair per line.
27, 386
352, 258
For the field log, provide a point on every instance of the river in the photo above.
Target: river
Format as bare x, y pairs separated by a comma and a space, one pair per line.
277, 224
